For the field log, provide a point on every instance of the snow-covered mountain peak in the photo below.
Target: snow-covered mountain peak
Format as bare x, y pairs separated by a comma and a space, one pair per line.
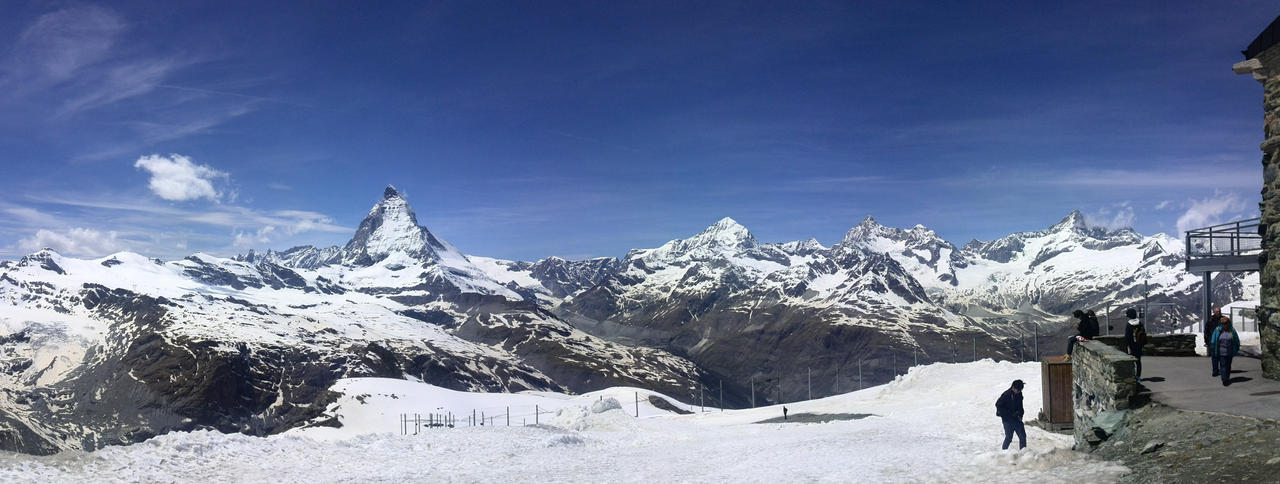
724, 238
726, 233
1074, 221
390, 192
867, 229
391, 226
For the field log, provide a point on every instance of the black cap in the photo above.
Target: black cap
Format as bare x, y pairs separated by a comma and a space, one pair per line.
1018, 384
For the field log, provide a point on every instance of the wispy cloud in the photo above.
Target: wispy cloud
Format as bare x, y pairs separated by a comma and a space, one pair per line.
1118, 216
1213, 210
77, 241
84, 67
58, 45
1199, 174
158, 229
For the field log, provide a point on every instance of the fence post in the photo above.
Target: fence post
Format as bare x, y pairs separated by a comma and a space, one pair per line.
637, 404
975, 348
1036, 330
721, 395
702, 401
810, 384
482, 419
753, 391
859, 374
508, 416
417, 424
535, 415
473, 417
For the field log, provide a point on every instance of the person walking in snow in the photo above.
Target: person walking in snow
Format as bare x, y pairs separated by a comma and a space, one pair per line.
1135, 335
1009, 409
1224, 346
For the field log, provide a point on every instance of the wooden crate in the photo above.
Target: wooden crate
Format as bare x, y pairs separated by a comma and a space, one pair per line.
1055, 383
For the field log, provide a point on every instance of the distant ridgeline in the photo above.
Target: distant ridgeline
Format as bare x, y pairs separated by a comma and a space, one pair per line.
117, 349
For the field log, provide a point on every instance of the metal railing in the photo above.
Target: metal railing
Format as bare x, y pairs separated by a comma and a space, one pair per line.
1230, 239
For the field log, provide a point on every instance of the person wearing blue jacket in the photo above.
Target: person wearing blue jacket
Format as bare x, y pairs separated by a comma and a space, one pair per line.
1224, 346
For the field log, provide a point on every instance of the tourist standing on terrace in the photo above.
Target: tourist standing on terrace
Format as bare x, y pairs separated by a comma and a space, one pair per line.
1223, 347
1210, 326
1135, 335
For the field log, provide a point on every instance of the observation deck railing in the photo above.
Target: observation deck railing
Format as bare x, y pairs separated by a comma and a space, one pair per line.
1229, 247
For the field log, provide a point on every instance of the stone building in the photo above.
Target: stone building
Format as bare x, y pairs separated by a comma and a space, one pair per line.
1262, 60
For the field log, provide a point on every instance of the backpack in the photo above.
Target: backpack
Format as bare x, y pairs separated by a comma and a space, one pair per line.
1140, 335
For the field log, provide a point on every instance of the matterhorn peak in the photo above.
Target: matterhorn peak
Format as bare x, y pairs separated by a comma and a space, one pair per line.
390, 192
391, 226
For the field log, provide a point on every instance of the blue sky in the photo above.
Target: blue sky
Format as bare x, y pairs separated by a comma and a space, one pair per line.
528, 129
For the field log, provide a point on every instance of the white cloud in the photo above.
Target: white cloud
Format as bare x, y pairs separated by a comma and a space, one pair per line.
176, 177
262, 236
1164, 204
1211, 211
75, 242
1121, 217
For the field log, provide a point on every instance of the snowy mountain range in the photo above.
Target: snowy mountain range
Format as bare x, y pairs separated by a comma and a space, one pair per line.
117, 349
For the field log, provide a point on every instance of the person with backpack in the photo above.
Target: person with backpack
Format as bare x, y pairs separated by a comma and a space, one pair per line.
1135, 336
1009, 409
1224, 346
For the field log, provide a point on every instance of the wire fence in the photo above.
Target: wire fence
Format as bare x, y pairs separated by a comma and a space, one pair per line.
494, 416
764, 388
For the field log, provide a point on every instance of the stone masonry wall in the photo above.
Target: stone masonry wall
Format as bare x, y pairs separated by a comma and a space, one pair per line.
1158, 344
1269, 312
1104, 380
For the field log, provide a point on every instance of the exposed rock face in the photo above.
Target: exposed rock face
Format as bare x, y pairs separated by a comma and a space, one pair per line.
1267, 72
743, 309
146, 347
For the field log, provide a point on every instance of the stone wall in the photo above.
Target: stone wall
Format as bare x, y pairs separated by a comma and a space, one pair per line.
1158, 344
1104, 380
1268, 73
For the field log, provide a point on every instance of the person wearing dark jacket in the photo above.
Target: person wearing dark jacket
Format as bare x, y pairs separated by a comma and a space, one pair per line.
1224, 346
1009, 409
1131, 337
1210, 326
1090, 328
1082, 323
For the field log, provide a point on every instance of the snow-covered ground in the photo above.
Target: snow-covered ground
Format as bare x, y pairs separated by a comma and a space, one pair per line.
935, 424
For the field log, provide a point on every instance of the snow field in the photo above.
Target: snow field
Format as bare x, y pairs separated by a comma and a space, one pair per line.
935, 424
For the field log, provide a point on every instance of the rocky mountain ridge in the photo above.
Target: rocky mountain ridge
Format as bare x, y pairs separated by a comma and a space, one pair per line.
112, 350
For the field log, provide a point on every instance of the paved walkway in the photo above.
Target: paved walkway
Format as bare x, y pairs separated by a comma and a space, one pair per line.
1186, 383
